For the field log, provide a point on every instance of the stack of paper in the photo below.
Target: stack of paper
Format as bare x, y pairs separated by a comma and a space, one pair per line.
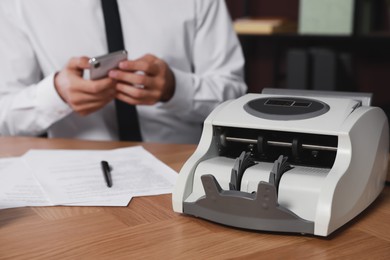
263, 26
75, 177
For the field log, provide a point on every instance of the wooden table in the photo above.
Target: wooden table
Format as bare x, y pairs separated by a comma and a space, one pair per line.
148, 228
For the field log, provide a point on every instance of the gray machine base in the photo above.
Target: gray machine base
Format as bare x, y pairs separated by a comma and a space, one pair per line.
256, 211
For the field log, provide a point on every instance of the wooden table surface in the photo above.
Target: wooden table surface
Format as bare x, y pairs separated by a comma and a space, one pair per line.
149, 229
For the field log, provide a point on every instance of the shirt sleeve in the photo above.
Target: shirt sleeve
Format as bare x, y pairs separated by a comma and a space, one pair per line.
29, 103
218, 64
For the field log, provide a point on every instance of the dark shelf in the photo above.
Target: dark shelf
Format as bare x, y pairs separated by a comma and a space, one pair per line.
266, 55
373, 35
371, 44
368, 38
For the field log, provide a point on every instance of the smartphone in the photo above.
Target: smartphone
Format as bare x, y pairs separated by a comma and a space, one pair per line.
100, 66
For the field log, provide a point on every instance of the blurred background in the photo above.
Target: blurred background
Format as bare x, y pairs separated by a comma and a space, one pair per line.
341, 45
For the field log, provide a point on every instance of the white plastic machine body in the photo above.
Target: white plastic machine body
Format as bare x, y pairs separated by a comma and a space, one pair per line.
286, 163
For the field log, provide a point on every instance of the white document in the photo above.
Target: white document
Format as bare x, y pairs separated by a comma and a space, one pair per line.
18, 188
75, 177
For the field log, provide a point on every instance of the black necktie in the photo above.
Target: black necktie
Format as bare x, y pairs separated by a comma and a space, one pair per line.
127, 116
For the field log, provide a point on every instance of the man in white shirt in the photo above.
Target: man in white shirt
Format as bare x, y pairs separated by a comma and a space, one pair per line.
187, 49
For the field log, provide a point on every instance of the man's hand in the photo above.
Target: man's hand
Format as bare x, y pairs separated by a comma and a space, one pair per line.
155, 83
83, 96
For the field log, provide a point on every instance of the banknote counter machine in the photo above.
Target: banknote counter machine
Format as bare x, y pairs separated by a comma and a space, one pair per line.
286, 163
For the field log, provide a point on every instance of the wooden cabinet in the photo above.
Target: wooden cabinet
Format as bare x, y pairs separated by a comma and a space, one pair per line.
368, 55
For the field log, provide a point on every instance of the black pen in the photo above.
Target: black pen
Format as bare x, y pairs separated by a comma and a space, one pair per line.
107, 173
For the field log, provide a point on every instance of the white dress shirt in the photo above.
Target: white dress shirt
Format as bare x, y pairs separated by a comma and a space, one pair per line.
38, 37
